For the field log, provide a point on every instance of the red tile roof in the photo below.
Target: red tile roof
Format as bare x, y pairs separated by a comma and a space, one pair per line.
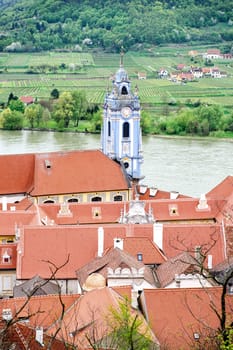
179, 264
151, 254
41, 310
76, 172
18, 167
88, 312
113, 259
180, 238
176, 314
60, 172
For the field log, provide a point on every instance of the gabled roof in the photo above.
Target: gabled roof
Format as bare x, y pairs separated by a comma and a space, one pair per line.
113, 259
60, 172
88, 314
36, 286
176, 314
151, 254
76, 172
223, 190
181, 263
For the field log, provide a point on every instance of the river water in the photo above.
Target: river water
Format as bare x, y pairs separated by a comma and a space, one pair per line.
189, 166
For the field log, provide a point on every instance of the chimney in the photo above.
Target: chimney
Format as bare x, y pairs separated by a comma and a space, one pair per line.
174, 195
203, 204
100, 241
4, 203
39, 335
118, 243
158, 234
210, 262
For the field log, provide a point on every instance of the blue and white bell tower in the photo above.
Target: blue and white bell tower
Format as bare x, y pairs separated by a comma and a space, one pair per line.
121, 136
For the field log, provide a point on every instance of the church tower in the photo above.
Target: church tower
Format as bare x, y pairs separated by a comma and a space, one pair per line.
121, 132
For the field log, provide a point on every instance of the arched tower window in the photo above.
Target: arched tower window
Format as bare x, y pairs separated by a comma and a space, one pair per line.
126, 129
109, 128
124, 91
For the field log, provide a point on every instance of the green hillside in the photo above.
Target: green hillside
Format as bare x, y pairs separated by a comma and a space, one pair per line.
28, 25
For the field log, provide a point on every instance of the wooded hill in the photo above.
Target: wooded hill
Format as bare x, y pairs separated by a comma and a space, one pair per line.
27, 25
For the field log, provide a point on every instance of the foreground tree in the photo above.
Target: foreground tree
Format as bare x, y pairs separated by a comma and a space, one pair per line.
128, 329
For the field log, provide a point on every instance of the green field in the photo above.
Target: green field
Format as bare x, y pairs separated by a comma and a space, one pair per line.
94, 71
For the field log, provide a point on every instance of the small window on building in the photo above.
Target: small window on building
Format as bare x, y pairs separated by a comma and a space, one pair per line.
72, 200
96, 199
6, 258
173, 210
48, 201
126, 129
139, 256
118, 198
96, 212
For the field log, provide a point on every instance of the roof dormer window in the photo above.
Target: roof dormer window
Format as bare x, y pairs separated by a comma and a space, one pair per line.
6, 258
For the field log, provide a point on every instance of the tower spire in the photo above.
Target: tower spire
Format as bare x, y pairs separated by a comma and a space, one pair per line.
121, 57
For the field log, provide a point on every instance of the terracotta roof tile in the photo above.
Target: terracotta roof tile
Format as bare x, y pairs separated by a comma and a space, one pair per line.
176, 314
88, 311
83, 171
113, 259
16, 173
179, 264
151, 254
43, 310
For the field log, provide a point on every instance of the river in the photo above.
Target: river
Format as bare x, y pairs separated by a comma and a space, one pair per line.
189, 166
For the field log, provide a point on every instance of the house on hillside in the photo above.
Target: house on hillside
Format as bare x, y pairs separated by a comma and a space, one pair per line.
27, 100
212, 54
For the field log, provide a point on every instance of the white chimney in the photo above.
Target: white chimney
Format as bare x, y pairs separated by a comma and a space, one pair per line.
174, 195
210, 262
39, 335
6, 314
203, 204
118, 243
158, 234
100, 241
4, 203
